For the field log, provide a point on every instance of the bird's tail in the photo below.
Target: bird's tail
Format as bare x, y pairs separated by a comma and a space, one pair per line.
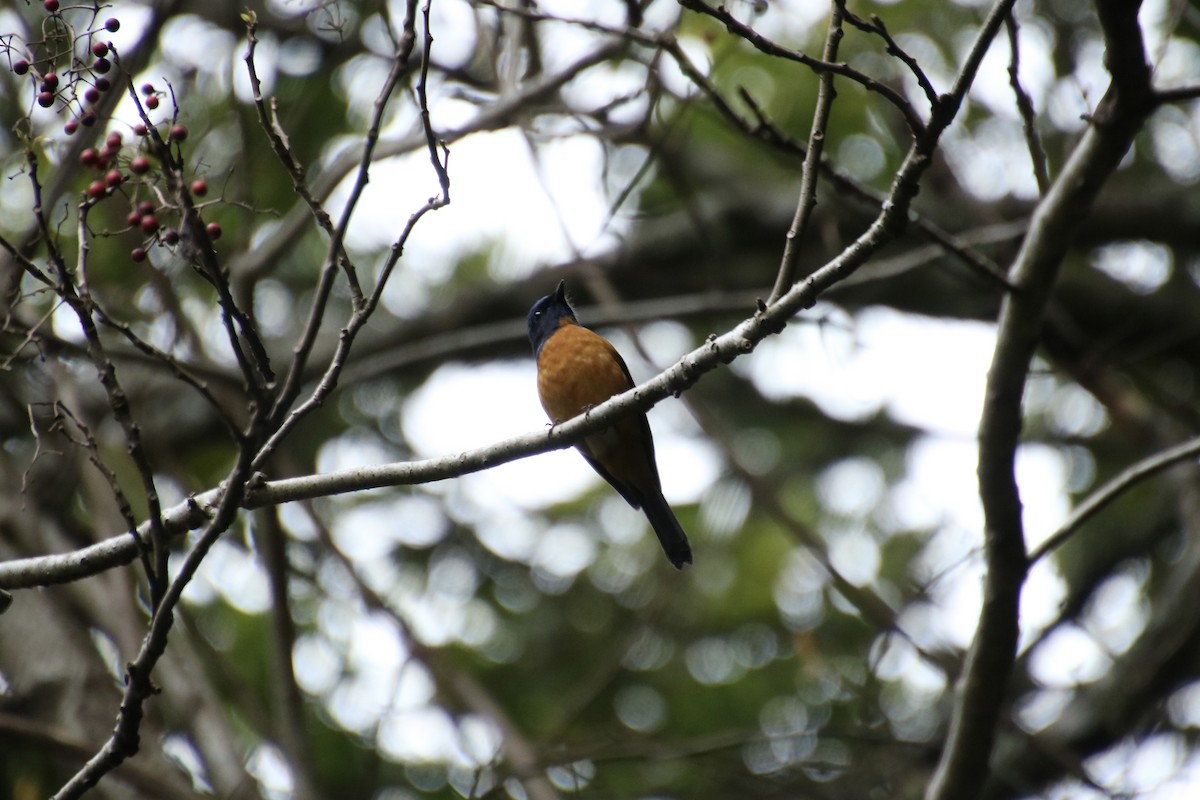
670, 534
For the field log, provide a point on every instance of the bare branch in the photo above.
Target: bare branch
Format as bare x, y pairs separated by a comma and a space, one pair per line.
88, 442
303, 349
26, 263
877, 27
269, 121
124, 741
1037, 153
492, 117
963, 766
247, 347
1114, 488
118, 402
718, 350
439, 165
177, 368
1178, 94
67, 742
766, 131
790, 261
765, 45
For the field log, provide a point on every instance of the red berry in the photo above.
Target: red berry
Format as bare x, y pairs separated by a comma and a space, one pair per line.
50, 82
139, 129
113, 140
88, 118
200, 188
138, 254
149, 223
97, 189
133, 218
92, 94
139, 165
70, 128
102, 84
101, 65
113, 24
147, 88
50, 5
89, 157
99, 49
114, 177
170, 236
21, 66
145, 207
152, 102
178, 132
46, 99
214, 230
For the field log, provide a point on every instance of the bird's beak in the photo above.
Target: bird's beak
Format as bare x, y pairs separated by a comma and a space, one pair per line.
561, 292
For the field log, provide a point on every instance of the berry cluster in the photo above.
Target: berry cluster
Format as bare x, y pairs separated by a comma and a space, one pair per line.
143, 215
70, 69
71, 75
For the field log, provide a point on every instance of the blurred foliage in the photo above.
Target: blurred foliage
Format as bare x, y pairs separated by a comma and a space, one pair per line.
447, 643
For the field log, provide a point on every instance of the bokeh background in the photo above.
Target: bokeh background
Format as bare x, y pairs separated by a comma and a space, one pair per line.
517, 632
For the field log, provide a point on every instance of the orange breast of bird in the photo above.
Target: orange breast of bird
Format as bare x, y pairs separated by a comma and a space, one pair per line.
578, 370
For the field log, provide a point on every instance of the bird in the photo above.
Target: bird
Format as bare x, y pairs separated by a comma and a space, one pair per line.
578, 369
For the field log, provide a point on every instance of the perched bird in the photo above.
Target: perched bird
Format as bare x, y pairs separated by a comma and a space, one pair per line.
578, 370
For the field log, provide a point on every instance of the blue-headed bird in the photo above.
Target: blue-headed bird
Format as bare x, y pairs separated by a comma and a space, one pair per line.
578, 369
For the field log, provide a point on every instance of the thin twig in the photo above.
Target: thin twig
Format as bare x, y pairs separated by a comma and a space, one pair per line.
177, 368
55, 740
790, 261
30, 335
768, 47
269, 121
877, 27
1114, 488
124, 508
26, 263
361, 315
499, 114
280, 415
248, 349
1178, 94
1033, 140
117, 400
125, 740
431, 139
766, 130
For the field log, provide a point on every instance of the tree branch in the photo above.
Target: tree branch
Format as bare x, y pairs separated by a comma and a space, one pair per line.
963, 765
361, 314
493, 117
1110, 491
768, 47
1033, 141
125, 739
718, 350
790, 260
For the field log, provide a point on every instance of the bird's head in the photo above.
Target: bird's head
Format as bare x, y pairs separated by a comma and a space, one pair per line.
548, 315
